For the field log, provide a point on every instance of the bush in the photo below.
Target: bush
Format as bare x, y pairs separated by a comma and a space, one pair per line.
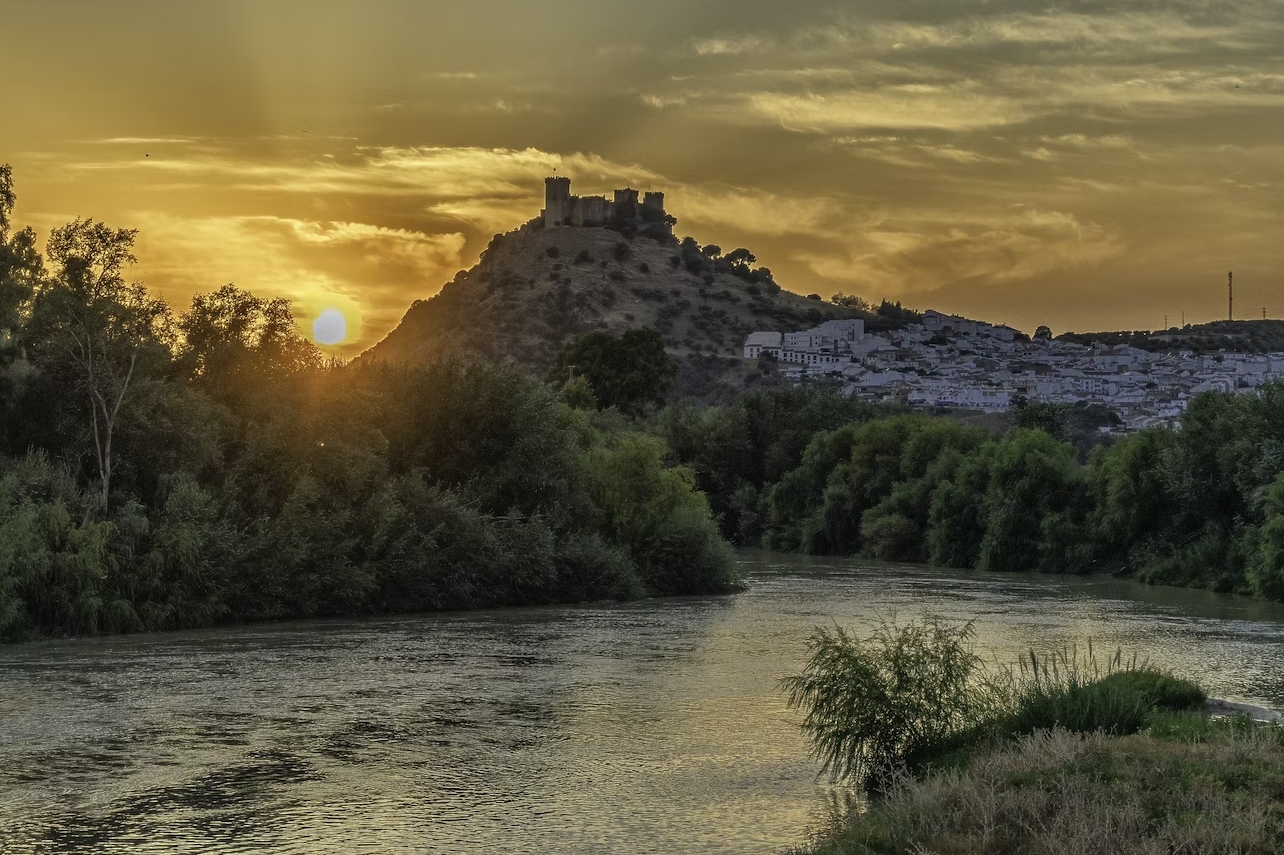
900, 697
552, 252
1160, 689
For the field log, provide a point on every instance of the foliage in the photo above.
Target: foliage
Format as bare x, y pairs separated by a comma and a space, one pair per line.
161, 472
907, 691
659, 516
913, 695
631, 371
852, 301
804, 470
1078, 694
739, 452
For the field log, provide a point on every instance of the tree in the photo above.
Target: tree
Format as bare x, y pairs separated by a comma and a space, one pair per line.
711, 250
740, 257
1040, 415
236, 344
20, 263
100, 329
1043, 332
629, 372
851, 301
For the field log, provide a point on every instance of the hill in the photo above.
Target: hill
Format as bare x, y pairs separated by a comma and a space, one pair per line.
1266, 336
536, 288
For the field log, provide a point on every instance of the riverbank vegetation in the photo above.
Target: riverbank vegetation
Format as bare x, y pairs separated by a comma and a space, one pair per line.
1057, 754
1199, 504
162, 470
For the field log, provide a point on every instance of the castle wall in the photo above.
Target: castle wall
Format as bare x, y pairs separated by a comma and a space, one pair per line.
595, 210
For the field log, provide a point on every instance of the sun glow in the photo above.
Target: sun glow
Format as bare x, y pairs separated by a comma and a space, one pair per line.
330, 327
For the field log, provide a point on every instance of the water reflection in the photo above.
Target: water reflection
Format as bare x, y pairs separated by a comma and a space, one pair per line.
643, 727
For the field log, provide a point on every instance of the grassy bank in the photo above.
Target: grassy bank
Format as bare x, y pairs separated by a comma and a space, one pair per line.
1186, 784
1057, 754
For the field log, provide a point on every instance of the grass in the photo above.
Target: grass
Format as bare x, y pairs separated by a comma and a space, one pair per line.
1188, 785
1076, 693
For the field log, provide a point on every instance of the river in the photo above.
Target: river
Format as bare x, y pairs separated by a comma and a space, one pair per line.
646, 727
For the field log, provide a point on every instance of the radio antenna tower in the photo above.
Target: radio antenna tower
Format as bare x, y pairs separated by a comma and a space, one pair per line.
1230, 296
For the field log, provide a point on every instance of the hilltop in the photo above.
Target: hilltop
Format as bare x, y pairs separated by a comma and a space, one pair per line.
535, 288
1265, 336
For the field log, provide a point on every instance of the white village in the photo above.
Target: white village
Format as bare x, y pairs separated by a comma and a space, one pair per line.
950, 361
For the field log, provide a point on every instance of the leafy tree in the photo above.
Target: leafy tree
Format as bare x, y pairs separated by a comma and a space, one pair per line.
1267, 572
631, 371
20, 265
851, 301
1040, 415
664, 522
1043, 332
243, 350
98, 329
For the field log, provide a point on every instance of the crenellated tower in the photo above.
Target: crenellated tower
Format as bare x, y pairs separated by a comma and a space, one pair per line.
557, 202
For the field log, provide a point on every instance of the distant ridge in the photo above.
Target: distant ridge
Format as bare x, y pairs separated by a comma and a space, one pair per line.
1265, 336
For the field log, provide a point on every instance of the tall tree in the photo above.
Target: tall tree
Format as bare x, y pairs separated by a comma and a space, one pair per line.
100, 330
20, 264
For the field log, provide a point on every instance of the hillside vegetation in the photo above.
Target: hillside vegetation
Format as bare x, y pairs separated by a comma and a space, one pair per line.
534, 289
1266, 336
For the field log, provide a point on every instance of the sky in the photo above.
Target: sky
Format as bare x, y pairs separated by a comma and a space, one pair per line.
1086, 165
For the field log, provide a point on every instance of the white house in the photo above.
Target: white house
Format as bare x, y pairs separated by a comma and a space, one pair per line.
757, 342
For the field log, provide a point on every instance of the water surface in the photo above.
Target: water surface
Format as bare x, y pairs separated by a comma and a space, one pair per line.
649, 727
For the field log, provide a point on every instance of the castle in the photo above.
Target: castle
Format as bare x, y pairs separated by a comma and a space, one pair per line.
563, 209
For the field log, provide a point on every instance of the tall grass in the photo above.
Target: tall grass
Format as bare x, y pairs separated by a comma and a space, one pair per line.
1075, 691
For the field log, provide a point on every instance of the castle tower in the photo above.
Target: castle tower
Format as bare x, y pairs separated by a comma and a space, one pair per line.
626, 204
557, 202
653, 205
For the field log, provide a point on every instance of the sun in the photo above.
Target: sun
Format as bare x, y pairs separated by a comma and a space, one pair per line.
330, 327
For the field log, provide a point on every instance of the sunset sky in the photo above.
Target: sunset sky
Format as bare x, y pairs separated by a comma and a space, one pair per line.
1085, 165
